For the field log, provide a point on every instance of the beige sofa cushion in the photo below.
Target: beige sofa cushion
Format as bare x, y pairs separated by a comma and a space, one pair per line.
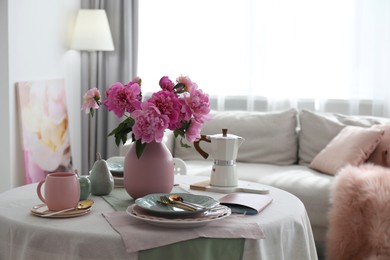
352, 146
318, 129
270, 137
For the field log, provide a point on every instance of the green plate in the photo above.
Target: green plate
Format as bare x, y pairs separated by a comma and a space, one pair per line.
115, 164
151, 203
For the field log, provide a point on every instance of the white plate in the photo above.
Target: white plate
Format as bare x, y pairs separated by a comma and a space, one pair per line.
115, 164
151, 202
215, 214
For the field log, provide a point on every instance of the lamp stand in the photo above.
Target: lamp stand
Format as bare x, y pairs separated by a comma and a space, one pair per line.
92, 120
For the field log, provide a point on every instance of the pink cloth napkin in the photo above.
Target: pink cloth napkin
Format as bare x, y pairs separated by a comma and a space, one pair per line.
138, 235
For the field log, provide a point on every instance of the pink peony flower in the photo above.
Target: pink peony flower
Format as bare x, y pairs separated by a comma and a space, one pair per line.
188, 84
185, 110
168, 104
193, 132
136, 80
166, 84
91, 100
149, 124
123, 98
199, 104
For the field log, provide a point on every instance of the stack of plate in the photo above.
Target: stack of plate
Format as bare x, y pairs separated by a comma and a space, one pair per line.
115, 165
152, 211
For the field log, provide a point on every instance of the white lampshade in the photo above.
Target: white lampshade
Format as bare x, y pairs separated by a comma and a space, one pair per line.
92, 31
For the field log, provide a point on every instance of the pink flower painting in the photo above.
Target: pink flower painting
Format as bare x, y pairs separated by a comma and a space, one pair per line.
44, 128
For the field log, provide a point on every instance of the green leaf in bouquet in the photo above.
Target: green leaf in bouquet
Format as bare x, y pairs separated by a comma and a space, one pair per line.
179, 88
92, 111
139, 148
121, 131
184, 144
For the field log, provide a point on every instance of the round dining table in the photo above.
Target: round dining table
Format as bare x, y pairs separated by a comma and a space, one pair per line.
285, 224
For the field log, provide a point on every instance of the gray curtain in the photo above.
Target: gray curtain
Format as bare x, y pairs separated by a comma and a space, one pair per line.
102, 69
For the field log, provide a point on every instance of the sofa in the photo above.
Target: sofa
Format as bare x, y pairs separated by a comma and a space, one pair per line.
299, 151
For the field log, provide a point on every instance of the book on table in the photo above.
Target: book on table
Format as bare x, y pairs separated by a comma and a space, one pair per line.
242, 187
246, 203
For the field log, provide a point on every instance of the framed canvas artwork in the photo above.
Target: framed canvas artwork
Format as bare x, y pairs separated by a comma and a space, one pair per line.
44, 128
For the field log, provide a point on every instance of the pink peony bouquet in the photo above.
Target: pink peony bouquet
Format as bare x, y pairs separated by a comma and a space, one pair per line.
180, 107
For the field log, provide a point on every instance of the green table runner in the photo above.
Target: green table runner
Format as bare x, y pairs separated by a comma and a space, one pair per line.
205, 248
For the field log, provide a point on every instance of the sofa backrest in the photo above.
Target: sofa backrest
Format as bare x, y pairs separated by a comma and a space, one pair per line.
280, 138
318, 129
270, 137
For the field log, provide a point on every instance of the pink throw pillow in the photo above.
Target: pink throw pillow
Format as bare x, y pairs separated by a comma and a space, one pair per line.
381, 155
352, 146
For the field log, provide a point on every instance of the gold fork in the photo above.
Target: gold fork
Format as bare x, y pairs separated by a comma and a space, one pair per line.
168, 202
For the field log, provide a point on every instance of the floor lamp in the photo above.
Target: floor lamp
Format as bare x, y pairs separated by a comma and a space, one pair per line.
92, 33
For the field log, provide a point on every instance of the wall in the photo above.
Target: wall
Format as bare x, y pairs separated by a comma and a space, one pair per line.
38, 34
5, 179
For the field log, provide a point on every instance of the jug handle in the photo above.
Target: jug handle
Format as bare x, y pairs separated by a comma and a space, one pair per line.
197, 146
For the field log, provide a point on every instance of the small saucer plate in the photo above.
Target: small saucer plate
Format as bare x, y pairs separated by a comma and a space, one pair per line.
152, 203
41, 210
218, 213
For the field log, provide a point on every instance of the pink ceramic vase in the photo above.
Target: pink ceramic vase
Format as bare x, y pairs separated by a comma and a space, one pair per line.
152, 173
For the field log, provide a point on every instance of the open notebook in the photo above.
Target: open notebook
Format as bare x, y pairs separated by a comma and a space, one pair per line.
246, 203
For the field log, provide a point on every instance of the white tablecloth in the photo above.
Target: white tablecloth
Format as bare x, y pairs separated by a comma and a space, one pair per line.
24, 236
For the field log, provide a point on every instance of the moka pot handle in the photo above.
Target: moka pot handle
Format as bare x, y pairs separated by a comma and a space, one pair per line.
200, 150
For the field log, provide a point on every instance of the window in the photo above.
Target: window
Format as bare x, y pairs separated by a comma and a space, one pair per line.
279, 49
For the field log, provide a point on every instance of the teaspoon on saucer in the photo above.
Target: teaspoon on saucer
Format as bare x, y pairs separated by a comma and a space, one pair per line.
85, 204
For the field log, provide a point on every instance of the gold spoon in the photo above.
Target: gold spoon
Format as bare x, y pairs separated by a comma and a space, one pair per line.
176, 204
177, 198
85, 204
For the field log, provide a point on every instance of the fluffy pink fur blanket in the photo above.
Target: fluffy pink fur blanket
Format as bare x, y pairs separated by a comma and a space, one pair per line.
359, 218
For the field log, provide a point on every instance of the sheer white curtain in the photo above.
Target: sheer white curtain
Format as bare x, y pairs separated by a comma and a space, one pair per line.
268, 55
